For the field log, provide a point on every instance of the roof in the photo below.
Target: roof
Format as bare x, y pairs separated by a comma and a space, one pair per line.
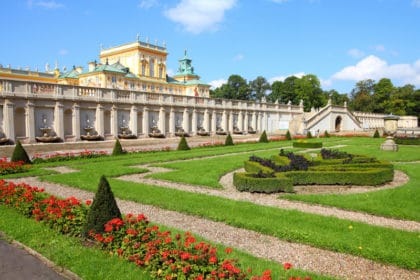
72, 74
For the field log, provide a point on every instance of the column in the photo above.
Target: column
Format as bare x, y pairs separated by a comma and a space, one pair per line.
265, 121
59, 120
161, 124
99, 117
76, 121
230, 128
114, 121
213, 121
146, 121
254, 121
133, 120
172, 122
194, 122
186, 120
206, 120
8, 114
240, 121
30, 121
246, 121
224, 121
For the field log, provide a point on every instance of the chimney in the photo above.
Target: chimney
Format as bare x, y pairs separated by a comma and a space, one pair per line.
79, 69
92, 66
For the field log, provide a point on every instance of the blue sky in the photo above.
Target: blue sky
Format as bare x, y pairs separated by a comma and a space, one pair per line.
340, 41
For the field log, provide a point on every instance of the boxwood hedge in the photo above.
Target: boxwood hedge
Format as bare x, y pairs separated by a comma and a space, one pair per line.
246, 182
309, 145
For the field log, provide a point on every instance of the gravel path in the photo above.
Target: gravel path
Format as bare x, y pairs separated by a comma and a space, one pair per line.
260, 245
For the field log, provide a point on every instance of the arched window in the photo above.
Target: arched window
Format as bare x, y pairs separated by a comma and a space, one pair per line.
152, 68
338, 123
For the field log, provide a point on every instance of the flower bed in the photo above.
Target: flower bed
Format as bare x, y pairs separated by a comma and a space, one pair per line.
161, 253
41, 158
11, 167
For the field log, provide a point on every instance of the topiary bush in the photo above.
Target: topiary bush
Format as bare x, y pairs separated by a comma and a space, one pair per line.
376, 134
407, 141
309, 145
326, 134
308, 134
104, 208
249, 183
118, 150
288, 135
183, 145
229, 140
19, 154
263, 138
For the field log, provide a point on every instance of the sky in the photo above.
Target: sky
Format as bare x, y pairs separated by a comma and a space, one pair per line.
340, 41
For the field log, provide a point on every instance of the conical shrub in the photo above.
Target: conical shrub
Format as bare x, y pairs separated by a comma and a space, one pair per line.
263, 138
376, 134
104, 208
288, 135
229, 140
326, 134
118, 150
308, 134
19, 154
183, 145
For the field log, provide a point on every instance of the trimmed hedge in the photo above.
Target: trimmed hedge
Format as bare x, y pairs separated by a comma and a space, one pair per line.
311, 145
245, 182
407, 141
255, 167
361, 177
280, 160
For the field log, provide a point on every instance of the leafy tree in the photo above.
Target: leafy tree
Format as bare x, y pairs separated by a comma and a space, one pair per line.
336, 98
382, 92
309, 90
259, 87
263, 137
235, 88
229, 140
19, 154
104, 208
361, 96
117, 150
183, 145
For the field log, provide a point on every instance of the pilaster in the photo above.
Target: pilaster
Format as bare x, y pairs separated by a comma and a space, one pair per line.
161, 124
194, 122
76, 121
30, 121
133, 120
172, 122
146, 121
186, 120
59, 120
8, 114
100, 127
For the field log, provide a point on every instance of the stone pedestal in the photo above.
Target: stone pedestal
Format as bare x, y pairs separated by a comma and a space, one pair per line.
389, 145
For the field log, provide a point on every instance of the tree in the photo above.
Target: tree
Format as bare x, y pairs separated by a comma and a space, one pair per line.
235, 88
117, 150
104, 208
229, 140
183, 145
19, 154
336, 98
259, 87
308, 89
382, 92
263, 137
361, 96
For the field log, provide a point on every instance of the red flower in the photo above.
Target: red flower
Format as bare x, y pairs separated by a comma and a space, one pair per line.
287, 266
228, 250
213, 259
88, 202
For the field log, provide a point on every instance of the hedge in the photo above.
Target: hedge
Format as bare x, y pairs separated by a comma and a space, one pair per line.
407, 141
280, 160
361, 177
311, 145
245, 182
255, 167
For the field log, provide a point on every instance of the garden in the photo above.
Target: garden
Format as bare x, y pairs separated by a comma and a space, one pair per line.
132, 237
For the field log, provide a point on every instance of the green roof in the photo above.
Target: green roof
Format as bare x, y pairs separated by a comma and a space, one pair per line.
73, 74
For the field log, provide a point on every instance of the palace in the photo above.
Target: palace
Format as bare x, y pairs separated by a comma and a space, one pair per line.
128, 94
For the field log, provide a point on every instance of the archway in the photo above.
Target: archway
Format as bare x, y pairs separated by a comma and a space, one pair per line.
338, 124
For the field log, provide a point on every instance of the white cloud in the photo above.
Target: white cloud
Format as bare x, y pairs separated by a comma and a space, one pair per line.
47, 4
379, 48
147, 4
282, 78
198, 16
356, 53
63, 52
372, 67
416, 3
217, 83
238, 57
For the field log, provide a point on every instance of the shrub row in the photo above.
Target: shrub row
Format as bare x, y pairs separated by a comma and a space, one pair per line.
407, 141
309, 145
246, 182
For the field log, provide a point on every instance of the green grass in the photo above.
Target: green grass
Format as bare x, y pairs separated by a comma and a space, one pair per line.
68, 252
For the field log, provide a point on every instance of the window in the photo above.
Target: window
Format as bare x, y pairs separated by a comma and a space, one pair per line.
160, 72
143, 69
114, 79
